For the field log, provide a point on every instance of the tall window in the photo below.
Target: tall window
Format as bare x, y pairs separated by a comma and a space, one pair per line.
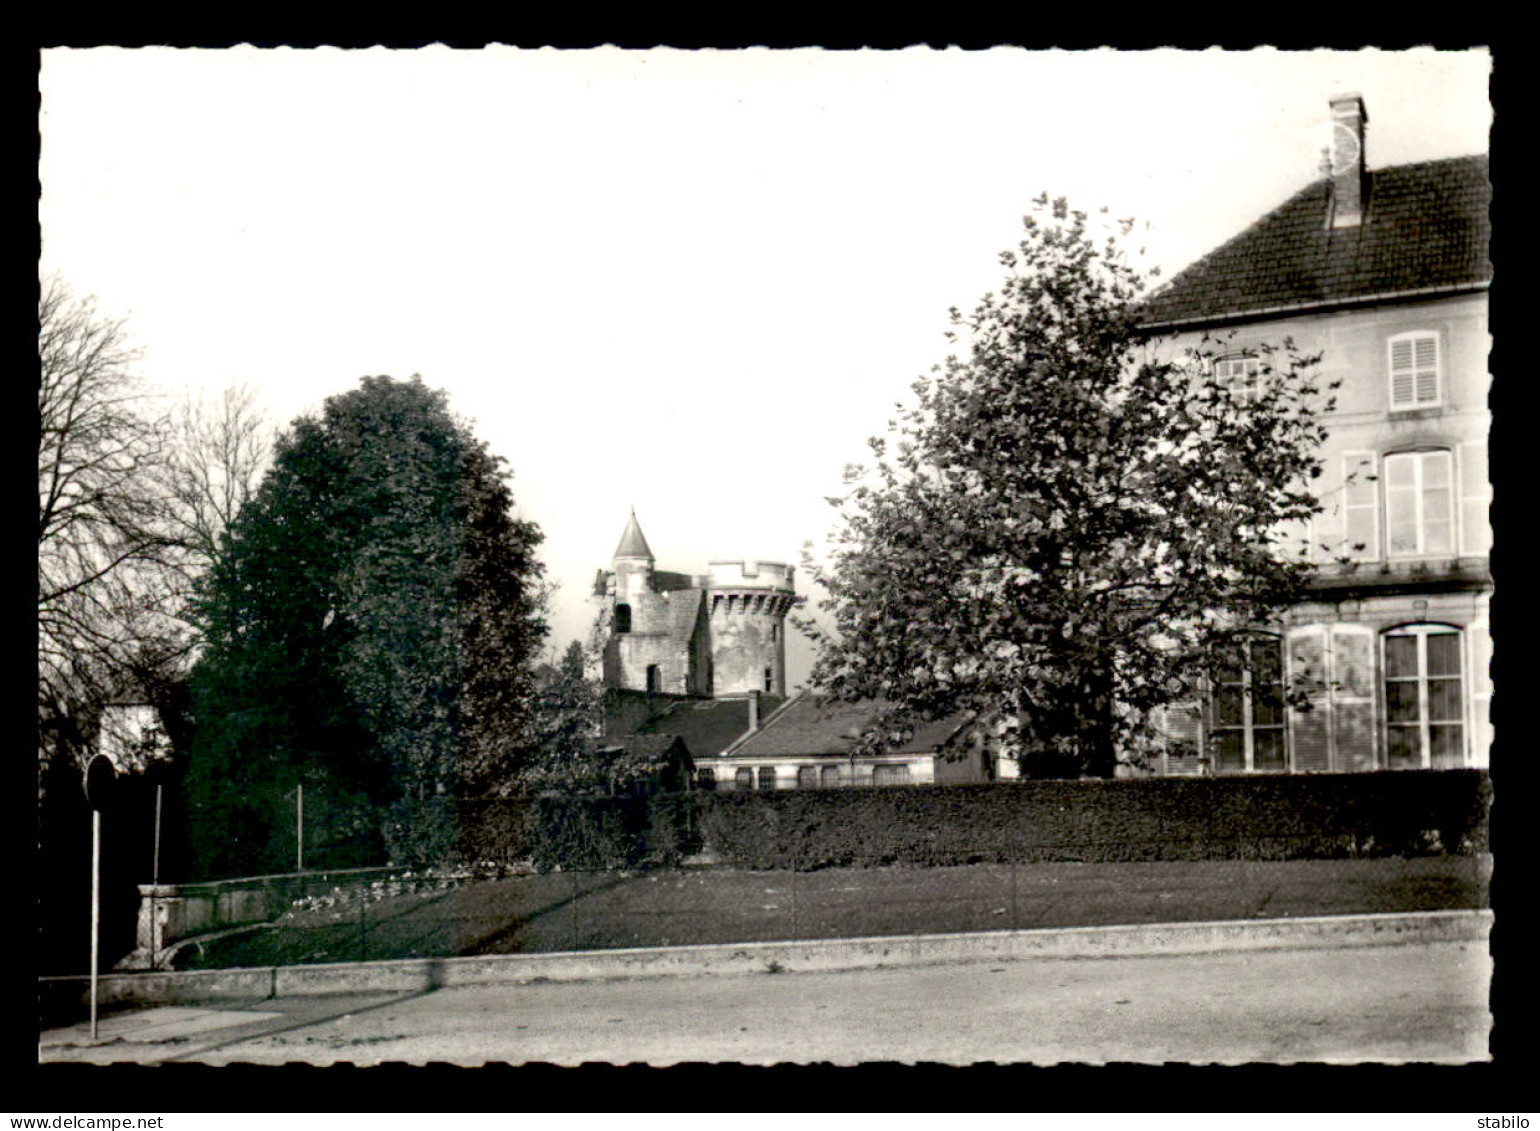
654, 680
1424, 704
767, 777
807, 777
743, 779
622, 618
1419, 503
769, 680
1247, 707
1414, 372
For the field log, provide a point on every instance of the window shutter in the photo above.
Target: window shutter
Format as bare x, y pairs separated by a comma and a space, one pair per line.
1352, 694
1413, 370
1306, 676
1183, 730
1360, 506
1479, 634
1475, 500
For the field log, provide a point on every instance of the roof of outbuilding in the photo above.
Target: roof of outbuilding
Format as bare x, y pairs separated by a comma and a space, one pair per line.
708, 726
811, 724
1426, 228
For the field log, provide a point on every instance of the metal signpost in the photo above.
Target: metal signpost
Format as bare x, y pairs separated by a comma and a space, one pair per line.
100, 775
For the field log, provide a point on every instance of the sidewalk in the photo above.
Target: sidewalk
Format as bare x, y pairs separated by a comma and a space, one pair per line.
335, 1004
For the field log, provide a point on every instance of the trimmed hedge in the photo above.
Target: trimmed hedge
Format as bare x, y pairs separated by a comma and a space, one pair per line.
610, 833
1319, 816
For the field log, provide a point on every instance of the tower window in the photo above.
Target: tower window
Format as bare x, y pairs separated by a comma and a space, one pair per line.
769, 680
654, 679
622, 618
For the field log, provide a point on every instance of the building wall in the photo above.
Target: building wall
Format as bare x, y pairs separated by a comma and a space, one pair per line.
1337, 644
653, 640
817, 771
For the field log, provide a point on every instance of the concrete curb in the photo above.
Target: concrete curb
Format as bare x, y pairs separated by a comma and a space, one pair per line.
416, 974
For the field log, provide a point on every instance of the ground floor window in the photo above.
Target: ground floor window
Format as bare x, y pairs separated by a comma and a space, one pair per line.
830, 777
743, 779
1247, 707
767, 777
1424, 712
807, 777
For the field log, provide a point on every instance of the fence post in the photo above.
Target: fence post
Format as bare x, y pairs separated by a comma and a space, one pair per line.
1014, 924
793, 897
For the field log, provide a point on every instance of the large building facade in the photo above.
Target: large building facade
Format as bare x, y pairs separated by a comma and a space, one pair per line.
1383, 273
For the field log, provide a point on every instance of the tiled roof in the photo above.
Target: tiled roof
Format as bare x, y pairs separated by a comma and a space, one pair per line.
654, 747
811, 724
1425, 228
708, 726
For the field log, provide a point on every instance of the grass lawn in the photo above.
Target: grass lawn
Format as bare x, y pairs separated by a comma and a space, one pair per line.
585, 911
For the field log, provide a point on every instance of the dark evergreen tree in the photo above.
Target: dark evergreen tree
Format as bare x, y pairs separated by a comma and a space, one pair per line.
370, 627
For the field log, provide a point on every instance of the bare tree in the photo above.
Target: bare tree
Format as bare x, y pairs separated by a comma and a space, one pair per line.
105, 551
220, 448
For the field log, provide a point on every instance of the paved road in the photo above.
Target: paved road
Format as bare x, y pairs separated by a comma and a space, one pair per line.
1424, 1002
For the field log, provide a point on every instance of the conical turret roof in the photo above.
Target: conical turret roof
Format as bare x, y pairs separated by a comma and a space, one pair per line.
632, 544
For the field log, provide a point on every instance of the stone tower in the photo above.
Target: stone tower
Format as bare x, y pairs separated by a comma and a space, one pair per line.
718, 634
747, 603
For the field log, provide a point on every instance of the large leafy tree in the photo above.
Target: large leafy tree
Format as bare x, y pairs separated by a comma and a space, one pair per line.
1070, 520
369, 625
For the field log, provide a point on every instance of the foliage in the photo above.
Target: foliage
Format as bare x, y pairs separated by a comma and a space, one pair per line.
1263, 817
593, 833
369, 626
106, 558
1065, 523
568, 717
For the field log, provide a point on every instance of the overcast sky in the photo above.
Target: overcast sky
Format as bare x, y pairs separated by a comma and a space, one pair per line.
692, 282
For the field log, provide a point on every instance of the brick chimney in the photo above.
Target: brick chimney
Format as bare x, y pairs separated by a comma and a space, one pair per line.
753, 711
1348, 119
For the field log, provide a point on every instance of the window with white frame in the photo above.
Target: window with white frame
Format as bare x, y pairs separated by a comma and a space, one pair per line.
1241, 373
1246, 706
1424, 700
1419, 503
1414, 370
